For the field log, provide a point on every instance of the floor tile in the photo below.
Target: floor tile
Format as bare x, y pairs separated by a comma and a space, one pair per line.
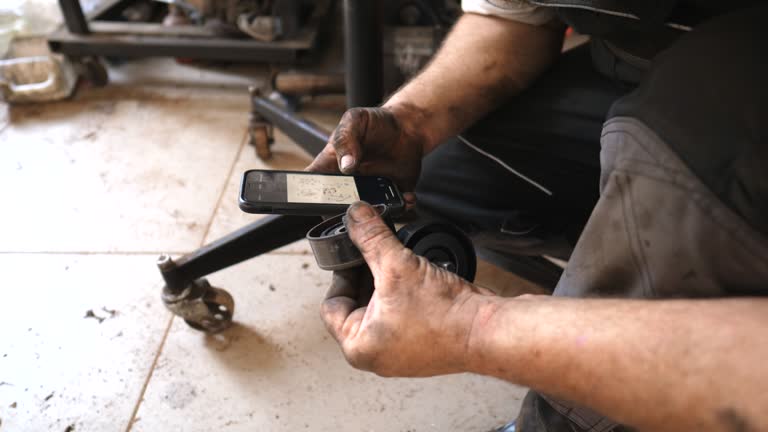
286, 155
79, 334
117, 169
277, 369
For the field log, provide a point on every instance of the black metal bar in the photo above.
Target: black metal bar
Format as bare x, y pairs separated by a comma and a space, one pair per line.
124, 45
73, 17
149, 29
122, 39
363, 52
264, 235
105, 7
306, 134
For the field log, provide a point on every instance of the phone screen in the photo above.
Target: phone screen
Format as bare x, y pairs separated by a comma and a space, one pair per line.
316, 189
264, 189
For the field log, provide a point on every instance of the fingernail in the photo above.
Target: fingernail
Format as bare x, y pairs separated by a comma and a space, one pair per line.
361, 211
346, 162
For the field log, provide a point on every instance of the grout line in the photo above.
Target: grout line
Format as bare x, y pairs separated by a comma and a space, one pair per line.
149, 375
170, 321
224, 189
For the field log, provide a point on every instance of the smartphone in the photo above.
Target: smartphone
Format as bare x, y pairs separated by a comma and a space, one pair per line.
304, 193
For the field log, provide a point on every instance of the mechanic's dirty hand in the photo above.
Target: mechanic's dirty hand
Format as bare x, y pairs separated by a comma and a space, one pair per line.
419, 318
374, 141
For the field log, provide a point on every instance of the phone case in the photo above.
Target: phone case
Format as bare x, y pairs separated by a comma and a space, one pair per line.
304, 209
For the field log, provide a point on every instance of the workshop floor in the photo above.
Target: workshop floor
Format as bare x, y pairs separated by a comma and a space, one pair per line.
92, 190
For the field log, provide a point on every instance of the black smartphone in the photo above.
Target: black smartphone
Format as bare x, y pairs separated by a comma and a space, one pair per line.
305, 193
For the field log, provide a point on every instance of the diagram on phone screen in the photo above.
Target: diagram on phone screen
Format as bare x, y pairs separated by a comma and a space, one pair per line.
320, 189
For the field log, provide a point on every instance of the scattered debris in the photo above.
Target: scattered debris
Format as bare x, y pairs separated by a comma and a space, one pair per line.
89, 314
2, 383
47, 398
271, 287
305, 266
70, 428
13, 405
111, 312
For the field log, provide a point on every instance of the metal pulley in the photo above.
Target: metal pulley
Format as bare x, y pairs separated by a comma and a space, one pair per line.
442, 244
332, 246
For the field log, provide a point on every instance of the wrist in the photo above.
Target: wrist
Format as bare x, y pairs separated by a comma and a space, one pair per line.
414, 123
480, 330
502, 337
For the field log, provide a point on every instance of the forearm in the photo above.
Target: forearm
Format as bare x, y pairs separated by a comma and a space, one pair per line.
483, 61
657, 365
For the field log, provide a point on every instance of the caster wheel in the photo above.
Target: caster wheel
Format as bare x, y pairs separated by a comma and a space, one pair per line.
261, 141
220, 306
201, 306
94, 71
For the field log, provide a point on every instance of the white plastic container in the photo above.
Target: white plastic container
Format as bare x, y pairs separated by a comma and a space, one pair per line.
8, 23
36, 79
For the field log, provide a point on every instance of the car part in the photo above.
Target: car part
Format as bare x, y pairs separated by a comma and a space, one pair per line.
442, 244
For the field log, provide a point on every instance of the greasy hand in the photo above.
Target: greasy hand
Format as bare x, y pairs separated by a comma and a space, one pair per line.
374, 141
419, 319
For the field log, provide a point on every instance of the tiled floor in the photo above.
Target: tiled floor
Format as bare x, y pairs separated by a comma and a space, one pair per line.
91, 191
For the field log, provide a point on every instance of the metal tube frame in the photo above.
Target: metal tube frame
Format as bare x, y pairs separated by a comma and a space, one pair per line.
262, 236
363, 52
85, 36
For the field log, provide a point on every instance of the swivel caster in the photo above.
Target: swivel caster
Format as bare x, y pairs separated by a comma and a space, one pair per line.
259, 138
260, 132
202, 306
92, 69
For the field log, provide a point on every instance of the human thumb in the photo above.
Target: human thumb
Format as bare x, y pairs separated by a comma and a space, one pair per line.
368, 231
